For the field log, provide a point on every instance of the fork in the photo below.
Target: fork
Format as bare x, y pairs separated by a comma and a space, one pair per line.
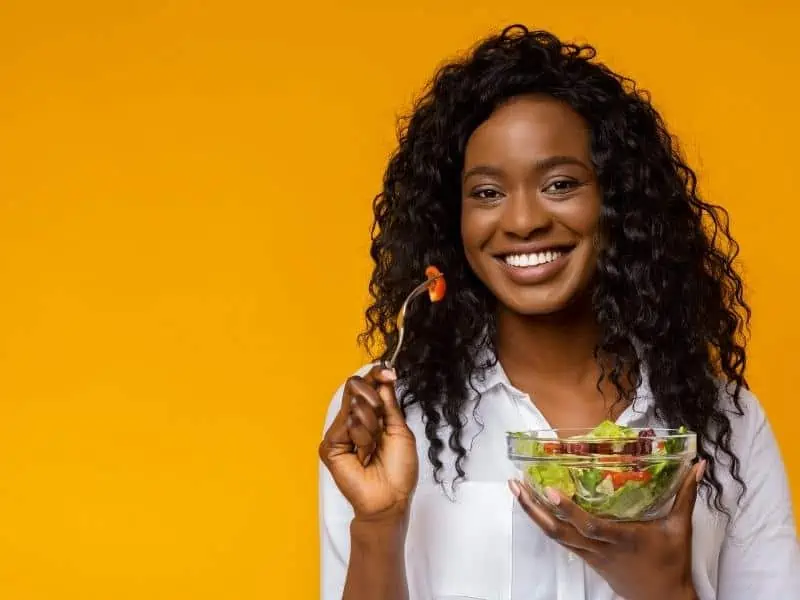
401, 318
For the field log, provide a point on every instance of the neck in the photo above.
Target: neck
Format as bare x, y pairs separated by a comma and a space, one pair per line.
556, 346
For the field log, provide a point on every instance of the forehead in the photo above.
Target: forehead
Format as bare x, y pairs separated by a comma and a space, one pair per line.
529, 128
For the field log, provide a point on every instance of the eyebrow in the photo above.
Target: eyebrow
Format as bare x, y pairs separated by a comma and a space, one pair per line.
540, 165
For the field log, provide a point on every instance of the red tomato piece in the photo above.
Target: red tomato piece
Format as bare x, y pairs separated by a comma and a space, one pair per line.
436, 289
620, 478
551, 448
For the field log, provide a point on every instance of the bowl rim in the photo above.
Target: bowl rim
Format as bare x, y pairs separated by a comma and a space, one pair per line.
610, 458
622, 460
660, 433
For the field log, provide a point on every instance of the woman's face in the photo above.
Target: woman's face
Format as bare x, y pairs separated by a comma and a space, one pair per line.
531, 205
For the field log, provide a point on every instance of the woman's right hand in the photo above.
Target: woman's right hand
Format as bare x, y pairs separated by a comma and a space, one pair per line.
370, 451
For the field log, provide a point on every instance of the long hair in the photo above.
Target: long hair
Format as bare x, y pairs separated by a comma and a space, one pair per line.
666, 293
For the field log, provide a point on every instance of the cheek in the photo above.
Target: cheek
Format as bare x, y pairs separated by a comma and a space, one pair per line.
475, 229
582, 217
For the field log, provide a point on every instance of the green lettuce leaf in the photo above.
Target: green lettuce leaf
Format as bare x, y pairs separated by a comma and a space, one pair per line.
628, 501
610, 430
673, 446
590, 478
662, 473
528, 447
554, 476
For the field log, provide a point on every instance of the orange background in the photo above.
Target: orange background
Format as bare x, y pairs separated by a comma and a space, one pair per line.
185, 194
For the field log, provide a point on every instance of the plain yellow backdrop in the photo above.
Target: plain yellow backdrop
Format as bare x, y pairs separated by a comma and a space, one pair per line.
185, 193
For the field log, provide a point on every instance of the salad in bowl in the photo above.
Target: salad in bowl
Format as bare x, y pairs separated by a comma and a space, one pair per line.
611, 471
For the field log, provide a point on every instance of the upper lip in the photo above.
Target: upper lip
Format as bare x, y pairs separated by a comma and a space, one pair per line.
535, 248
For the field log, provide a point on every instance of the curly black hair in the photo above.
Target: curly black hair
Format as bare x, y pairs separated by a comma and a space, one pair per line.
666, 295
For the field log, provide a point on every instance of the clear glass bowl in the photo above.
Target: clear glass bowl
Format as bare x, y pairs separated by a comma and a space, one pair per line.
622, 479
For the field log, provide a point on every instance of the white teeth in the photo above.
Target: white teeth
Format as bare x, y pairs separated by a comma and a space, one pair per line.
532, 260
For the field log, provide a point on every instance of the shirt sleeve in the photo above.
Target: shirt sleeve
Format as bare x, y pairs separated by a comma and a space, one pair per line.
335, 515
760, 556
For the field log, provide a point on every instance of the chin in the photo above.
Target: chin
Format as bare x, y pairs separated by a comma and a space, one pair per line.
533, 302
536, 309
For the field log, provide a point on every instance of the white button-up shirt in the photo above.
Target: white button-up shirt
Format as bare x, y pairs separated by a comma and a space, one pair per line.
476, 543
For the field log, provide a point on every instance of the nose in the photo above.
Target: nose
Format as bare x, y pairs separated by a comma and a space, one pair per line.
524, 215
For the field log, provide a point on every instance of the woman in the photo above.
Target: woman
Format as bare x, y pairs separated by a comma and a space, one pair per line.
586, 280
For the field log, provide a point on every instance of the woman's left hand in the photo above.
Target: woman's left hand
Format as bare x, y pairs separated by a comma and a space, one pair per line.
639, 560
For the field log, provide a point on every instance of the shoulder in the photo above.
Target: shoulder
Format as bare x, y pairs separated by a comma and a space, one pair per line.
753, 443
745, 413
746, 418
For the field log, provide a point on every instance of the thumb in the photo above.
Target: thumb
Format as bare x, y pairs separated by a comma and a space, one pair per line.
687, 494
392, 413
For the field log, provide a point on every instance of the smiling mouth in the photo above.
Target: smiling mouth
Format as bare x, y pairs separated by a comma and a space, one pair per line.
534, 259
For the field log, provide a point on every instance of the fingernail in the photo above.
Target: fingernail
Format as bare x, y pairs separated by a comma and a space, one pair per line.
553, 496
701, 470
514, 487
390, 374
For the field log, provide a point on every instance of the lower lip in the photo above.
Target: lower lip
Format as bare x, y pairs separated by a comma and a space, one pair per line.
537, 274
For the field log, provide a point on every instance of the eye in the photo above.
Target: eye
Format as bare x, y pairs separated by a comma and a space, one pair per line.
561, 186
487, 194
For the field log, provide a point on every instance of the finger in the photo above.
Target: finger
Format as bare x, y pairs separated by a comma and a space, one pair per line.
380, 375
368, 407
357, 387
587, 525
337, 440
364, 439
687, 494
560, 531
392, 413
366, 414
338, 433
383, 379
359, 433
365, 428
337, 443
